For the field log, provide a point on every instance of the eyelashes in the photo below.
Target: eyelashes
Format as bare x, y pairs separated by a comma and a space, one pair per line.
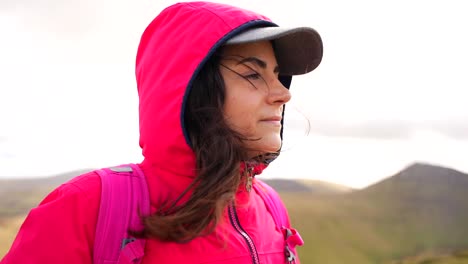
253, 76
245, 77
250, 74
250, 77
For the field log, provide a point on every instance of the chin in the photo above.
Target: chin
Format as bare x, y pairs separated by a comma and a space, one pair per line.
266, 143
271, 145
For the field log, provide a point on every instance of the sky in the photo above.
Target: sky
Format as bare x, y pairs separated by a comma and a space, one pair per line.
391, 89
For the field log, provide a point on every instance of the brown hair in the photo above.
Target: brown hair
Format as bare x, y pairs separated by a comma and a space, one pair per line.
218, 150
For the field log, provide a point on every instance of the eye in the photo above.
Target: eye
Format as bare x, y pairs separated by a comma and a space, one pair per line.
252, 76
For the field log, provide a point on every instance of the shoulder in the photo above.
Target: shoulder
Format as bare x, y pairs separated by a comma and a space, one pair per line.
76, 201
83, 189
86, 186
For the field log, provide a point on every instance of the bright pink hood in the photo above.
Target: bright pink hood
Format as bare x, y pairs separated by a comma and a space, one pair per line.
61, 229
172, 49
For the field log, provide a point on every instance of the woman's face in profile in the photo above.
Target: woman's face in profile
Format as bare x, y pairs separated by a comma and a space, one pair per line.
254, 96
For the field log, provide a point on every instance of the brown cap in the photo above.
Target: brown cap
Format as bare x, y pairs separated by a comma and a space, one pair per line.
298, 50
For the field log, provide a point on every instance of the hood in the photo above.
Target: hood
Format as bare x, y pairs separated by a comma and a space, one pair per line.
173, 48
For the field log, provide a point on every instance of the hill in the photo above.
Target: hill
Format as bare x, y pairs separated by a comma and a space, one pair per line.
421, 180
453, 257
418, 215
421, 208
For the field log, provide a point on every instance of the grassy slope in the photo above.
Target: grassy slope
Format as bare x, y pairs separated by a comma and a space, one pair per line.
350, 229
399, 217
454, 257
341, 230
8, 229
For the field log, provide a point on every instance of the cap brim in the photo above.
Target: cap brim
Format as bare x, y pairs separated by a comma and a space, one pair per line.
298, 50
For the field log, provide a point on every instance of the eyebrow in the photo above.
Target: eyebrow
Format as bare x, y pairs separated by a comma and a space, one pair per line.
262, 64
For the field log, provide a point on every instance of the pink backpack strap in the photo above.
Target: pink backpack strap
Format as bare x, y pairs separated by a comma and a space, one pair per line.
277, 209
124, 198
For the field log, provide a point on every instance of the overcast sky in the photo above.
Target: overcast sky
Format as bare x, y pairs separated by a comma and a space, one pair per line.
391, 89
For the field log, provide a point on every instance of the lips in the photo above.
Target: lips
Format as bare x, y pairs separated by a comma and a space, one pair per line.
274, 121
272, 118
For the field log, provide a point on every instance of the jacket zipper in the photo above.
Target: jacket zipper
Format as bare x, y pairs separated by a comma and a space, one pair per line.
237, 226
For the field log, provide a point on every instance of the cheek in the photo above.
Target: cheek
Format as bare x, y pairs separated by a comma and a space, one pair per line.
241, 119
240, 115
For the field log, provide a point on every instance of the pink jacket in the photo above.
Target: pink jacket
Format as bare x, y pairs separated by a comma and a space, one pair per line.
61, 229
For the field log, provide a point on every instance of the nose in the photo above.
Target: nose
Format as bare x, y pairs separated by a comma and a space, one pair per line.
279, 94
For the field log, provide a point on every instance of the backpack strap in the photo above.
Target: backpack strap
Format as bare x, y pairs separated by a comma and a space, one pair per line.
124, 198
277, 209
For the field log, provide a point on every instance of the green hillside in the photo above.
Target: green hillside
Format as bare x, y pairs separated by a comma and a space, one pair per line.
402, 216
454, 257
418, 216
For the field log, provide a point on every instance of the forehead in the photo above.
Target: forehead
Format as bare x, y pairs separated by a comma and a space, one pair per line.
262, 50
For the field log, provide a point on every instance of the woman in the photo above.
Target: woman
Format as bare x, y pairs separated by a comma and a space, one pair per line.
212, 81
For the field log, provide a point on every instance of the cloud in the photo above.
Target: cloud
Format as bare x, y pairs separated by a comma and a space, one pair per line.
456, 129
369, 129
381, 129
